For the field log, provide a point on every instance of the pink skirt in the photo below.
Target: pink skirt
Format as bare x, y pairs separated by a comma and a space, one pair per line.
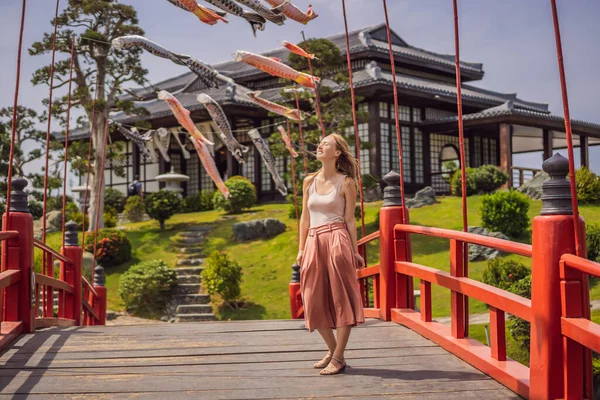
328, 284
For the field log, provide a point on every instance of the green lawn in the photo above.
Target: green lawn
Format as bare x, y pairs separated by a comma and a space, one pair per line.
267, 263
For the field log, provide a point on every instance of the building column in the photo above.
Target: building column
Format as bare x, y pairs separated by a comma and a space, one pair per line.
506, 151
584, 148
547, 140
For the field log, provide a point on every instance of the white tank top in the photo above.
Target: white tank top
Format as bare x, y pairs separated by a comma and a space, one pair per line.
326, 208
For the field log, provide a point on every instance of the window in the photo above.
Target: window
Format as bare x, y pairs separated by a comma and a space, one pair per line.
416, 114
384, 110
477, 151
193, 185
385, 148
418, 152
363, 136
486, 159
280, 166
493, 158
404, 113
248, 166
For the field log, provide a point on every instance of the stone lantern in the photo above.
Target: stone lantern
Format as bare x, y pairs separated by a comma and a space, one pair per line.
173, 181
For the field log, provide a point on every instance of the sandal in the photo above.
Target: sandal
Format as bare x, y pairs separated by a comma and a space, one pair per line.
341, 368
325, 361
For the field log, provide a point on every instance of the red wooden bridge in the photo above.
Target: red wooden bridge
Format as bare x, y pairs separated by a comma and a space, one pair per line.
398, 353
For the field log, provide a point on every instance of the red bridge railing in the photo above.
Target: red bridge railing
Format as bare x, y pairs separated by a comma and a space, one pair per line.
28, 296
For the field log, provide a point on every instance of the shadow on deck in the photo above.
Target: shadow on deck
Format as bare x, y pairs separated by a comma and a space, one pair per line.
234, 360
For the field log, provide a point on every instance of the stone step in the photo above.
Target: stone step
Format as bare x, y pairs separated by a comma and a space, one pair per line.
199, 228
187, 309
195, 317
193, 234
188, 288
182, 279
188, 262
189, 270
190, 255
192, 298
190, 250
188, 241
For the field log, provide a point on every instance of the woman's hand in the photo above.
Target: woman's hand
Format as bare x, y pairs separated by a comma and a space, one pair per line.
299, 257
360, 262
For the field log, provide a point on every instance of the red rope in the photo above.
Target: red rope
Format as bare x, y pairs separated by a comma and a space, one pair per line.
317, 100
99, 193
462, 159
357, 142
64, 203
14, 118
301, 134
568, 131
398, 133
44, 204
289, 132
89, 161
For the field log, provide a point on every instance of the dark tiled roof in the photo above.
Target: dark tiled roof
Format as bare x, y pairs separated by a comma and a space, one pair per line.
510, 108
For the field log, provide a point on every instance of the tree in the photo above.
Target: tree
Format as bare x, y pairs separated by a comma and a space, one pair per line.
99, 72
336, 107
27, 135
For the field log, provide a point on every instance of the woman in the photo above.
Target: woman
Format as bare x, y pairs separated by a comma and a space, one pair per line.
328, 251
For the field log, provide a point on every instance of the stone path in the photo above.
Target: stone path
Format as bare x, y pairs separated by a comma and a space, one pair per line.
189, 303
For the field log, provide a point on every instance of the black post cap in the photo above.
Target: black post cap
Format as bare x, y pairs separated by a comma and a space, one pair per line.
556, 192
71, 238
391, 193
99, 279
295, 273
18, 197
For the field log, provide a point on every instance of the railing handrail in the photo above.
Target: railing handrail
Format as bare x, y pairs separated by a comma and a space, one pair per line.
467, 237
9, 277
49, 250
5, 235
581, 264
89, 286
369, 238
54, 283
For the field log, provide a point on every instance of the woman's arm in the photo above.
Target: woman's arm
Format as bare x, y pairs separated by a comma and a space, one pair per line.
350, 195
304, 220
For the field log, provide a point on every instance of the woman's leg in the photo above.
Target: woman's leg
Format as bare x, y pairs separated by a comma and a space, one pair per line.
338, 361
329, 337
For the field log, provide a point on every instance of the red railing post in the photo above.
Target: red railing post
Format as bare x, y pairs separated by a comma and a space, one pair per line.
295, 296
99, 304
395, 289
72, 274
17, 253
553, 236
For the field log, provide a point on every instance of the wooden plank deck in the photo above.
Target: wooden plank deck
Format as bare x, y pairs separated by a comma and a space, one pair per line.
233, 360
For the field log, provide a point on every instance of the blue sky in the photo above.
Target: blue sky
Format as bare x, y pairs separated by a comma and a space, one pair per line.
514, 40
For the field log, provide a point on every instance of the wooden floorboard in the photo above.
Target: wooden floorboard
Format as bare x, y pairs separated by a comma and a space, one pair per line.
233, 360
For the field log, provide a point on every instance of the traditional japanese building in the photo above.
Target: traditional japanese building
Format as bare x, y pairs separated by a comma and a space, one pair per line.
497, 125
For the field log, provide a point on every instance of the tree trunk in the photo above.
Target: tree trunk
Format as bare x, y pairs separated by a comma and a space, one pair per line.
96, 173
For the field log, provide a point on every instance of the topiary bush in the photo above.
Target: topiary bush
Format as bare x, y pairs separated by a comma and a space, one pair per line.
588, 186
146, 288
113, 247
520, 329
135, 209
505, 212
504, 273
592, 233
489, 178
110, 219
222, 276
162, 205
456, 183
242, 195
202, 201
115, 199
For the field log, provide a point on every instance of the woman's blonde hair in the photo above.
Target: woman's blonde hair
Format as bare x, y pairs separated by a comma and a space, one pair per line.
346, 163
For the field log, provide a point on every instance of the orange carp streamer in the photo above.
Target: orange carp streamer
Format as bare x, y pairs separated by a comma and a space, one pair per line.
298, 50
204, 14
287, 141
293, 114
275, 67
293, 12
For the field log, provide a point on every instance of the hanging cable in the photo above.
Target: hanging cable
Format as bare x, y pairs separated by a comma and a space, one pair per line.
14, 119
64, 202
397, 118
99, 198
357, 142
301, 133
462, 160
317, 99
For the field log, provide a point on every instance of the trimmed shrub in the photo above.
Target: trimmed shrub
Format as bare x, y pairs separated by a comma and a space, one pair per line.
505, 212
115, 199
36, 209
113, 247
222, 276
504, 273
146, 288
489, 178
588, 186
55, 203
73, 213
592, 233
135, 209
202, 201
162, 205
242, 195
520, 329
110, 219
456, 183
